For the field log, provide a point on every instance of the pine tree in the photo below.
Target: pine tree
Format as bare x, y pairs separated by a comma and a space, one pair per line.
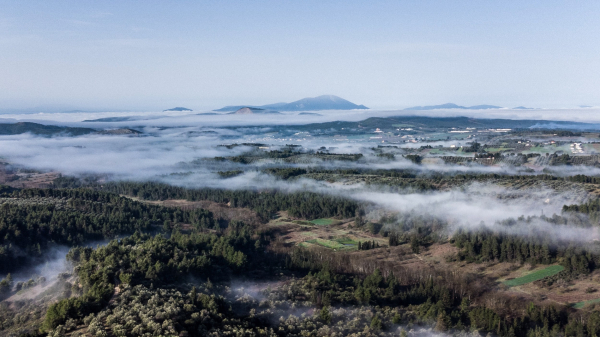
443, 322
325, 315
193, 295
376, 323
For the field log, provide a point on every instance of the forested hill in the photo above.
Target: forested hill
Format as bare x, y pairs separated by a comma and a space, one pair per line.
35, 219
388, 124
32, 220
42, 130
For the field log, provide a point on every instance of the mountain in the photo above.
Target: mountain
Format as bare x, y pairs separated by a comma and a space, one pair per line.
252, 111
178, 109
453, 106
325, 102
483, 107
237, 107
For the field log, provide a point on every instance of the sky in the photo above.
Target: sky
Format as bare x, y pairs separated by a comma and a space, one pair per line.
154, 55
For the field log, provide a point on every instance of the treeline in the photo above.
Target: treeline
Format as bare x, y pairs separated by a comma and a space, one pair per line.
590, 208
289, 154
580, 178
432, 177
75, 216
306, 205
367, 245
285, 173
432, 301
481, 246
229, 174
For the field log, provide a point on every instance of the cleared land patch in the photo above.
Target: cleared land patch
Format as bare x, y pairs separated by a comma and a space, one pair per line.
536, 275
580, 305
323, 222
327, 243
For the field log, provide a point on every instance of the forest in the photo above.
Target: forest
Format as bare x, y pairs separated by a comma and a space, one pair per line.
351, 240
177, 272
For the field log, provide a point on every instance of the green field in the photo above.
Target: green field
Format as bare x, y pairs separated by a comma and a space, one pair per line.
327, 243
323, 222
303, 222
536, 275
541, 149
498, 149
305, 244
347, 241
580, 305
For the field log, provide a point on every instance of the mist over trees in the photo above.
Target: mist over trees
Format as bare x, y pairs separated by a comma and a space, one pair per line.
171, 267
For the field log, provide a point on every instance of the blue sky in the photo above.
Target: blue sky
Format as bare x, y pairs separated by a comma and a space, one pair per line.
385, 54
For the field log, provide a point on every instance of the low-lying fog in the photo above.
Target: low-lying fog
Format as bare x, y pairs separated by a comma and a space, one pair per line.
210, 118
160, 152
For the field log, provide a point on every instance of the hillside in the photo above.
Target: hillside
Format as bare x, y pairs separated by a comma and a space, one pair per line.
40, 129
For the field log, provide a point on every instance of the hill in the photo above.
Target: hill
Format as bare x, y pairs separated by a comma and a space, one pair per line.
111, 119
120, 132
453, 106
252, 111
178, 109
324, 102
522, 108
40, 129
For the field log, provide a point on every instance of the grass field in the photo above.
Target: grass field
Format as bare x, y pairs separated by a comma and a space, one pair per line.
580, 305
498, 149
347, 241
302, 222
323, 222
327, 243
305, 244
536, 275
541, 149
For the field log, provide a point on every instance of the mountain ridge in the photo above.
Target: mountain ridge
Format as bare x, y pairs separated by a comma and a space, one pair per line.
323, 102
454, 106
252, 111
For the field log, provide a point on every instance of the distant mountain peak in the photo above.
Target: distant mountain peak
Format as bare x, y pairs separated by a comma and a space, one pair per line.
323, 102
178, 108
251, 111
522, 108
